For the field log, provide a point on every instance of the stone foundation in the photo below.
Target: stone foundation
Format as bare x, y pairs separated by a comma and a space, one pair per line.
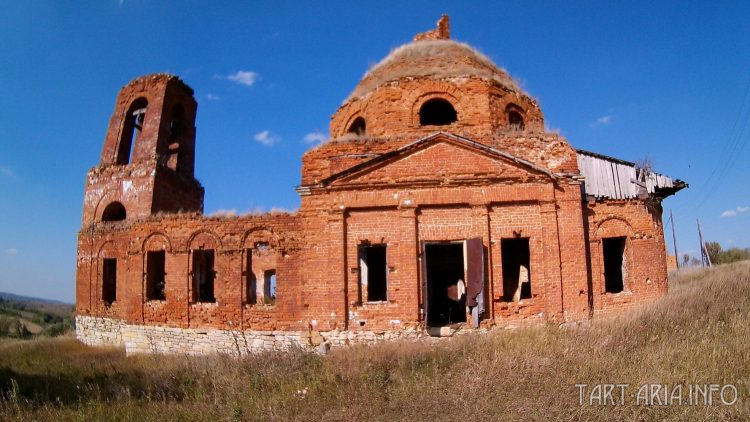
99, 331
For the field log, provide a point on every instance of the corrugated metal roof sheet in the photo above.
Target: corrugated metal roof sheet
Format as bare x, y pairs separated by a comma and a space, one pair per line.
607, 177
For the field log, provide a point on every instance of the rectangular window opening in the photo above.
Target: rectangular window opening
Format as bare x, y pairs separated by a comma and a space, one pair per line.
203, 275
269, 287
109, 280
515, 259
613, 249
250, 279
155, 275
372, 267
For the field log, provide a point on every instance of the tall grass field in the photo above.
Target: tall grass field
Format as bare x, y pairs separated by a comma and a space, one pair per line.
698, 338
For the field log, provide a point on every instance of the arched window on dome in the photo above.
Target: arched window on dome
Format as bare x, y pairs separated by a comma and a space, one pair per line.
437, 112
358, 126
131, 130
115, 211
515, 117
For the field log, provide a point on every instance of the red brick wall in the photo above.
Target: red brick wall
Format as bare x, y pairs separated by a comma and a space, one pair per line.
178, 235
315, 256
444, 189
508, 221
645, 277
393, 108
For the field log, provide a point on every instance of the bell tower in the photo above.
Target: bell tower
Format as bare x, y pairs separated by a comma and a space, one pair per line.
148, 157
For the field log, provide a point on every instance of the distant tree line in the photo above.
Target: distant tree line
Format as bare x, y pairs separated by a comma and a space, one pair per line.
720, 256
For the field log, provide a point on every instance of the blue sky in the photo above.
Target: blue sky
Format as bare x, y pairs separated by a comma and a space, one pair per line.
667, 80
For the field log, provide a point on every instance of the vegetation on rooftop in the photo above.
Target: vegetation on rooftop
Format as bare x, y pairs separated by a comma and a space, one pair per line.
442, 51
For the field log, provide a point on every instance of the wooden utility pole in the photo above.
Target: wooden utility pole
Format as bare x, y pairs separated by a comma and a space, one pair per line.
674, 241
705, 259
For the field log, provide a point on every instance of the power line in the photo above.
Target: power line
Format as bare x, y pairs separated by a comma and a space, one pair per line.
730, 153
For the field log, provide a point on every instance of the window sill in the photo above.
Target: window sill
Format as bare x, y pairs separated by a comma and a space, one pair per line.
258, 306
622, 293
520, 301
376, 303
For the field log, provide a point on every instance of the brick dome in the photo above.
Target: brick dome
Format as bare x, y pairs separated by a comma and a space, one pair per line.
436, 84
439, 58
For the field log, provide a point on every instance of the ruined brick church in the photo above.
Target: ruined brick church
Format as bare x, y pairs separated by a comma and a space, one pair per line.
439, 205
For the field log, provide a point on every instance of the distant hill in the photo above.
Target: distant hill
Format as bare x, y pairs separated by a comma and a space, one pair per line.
19, 298
26, 317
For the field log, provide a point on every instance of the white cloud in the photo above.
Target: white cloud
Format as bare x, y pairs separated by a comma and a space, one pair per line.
604, 120
244, 77
316, 137
11, 251
734, 212
266, 138
212, 97
5, 171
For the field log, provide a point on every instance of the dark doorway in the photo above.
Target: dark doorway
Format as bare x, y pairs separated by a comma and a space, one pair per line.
614, 253
516, 270
444, 268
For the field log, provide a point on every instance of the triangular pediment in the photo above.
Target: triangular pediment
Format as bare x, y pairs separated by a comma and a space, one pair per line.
439, 158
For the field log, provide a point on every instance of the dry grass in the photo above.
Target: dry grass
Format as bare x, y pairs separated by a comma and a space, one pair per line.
699, 334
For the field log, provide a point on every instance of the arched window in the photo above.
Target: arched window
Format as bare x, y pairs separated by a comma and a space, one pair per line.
177, 124
437, 112
515, 117
131, 130
358, 126
177, 128
114, 212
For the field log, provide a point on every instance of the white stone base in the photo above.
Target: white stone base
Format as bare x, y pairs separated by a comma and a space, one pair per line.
98, 331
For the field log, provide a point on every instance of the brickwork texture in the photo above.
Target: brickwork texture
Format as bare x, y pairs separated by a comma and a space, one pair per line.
435, 146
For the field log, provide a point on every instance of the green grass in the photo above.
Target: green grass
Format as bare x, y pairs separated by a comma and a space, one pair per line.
699, 334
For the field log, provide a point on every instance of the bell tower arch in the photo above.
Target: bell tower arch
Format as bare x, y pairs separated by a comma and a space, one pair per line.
148, 158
